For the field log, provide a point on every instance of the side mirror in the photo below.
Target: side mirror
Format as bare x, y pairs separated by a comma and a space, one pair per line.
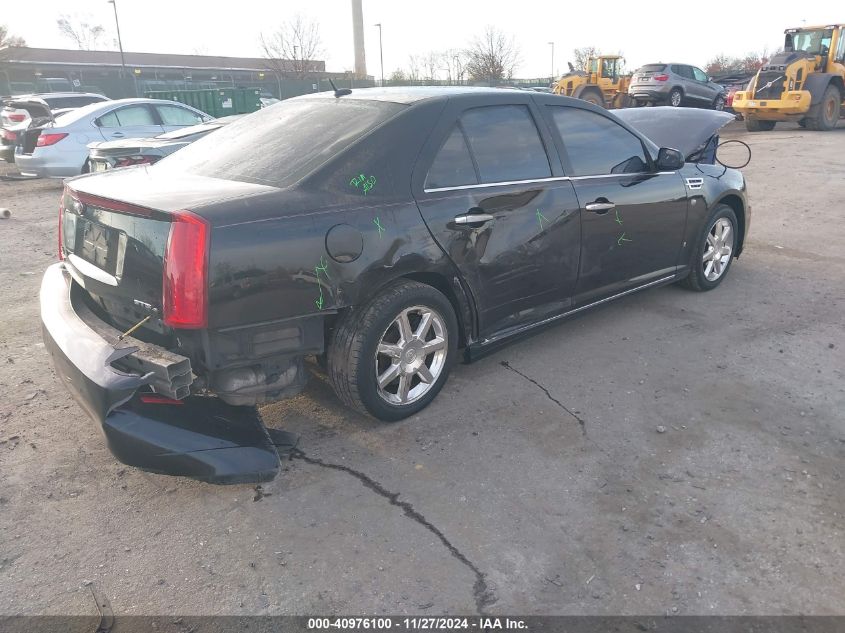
669, 159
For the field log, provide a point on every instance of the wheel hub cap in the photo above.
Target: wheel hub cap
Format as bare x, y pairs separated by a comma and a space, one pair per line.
718, 249
411, 355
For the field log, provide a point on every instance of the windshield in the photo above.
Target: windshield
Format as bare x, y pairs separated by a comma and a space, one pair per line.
279, 145
814, 42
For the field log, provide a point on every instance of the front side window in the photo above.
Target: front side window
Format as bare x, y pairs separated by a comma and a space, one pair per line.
596, 145
699, 74
505, 143
174, 115
452, 167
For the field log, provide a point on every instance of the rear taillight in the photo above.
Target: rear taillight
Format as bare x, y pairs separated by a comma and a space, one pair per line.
128, 161
49, 139
9, 136
17, 118
61, 221
185, 280
660, 77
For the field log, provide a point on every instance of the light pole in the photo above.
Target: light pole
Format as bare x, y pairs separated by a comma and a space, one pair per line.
113, 3
458, 71
552, 44
380, 54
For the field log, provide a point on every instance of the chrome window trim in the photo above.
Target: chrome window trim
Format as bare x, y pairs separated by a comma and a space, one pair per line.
552, 179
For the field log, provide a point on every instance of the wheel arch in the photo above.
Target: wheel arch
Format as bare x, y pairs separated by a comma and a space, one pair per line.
448, 285
735, 202
817, 83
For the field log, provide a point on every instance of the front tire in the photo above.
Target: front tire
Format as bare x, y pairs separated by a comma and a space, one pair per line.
390, 357
824, 116
719, 103
715, 250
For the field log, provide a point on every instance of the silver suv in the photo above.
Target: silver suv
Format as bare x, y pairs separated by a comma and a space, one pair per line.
676, 85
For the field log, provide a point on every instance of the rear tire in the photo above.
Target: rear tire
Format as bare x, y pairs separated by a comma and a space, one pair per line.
711, 250
676, 97
756, 125
369, 344
824, 115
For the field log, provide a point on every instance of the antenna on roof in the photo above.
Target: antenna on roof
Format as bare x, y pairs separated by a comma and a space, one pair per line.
339, 92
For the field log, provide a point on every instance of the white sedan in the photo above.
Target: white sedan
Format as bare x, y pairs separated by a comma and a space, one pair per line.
60, 149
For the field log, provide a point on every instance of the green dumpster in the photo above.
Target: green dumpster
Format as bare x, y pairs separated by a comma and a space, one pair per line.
217, 102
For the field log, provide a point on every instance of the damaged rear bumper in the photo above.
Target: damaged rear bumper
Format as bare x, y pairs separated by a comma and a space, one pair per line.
198, 437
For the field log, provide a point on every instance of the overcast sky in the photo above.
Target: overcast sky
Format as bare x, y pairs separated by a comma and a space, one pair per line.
643, 31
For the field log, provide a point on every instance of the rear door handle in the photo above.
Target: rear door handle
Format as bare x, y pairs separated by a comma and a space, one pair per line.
600, 207
473, 218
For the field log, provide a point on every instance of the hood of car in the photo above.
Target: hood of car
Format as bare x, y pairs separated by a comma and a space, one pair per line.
687, 130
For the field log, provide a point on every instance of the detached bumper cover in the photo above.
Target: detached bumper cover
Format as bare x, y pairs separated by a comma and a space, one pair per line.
198, 437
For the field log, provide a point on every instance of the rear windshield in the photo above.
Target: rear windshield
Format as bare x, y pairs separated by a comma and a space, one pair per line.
652, 68
57, 103
279, 145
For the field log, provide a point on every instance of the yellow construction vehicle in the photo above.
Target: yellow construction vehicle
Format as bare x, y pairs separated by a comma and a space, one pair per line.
804, 83
601, 83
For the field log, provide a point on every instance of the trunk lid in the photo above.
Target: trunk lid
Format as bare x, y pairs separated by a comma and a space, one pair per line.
114, 232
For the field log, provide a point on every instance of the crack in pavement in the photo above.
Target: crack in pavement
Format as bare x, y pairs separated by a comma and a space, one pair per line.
482, 594
583, 424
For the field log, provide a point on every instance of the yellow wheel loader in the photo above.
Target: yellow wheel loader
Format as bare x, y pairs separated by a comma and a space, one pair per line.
804, 83
601, 83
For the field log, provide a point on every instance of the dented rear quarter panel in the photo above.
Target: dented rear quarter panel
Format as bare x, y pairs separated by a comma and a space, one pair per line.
271, 256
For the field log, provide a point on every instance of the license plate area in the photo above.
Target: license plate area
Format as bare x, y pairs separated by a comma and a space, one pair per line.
98, 245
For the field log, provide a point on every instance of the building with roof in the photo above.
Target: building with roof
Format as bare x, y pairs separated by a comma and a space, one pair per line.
25, 70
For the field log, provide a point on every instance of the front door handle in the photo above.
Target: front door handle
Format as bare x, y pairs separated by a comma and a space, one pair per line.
473, 218
600, 207
117, 134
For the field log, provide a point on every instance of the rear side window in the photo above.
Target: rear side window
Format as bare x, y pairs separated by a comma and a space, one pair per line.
505, 143
597, 145
683, 71
279, 145
128, 116
452, 167
174, 115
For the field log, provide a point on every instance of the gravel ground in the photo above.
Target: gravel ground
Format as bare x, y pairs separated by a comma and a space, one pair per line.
673, 452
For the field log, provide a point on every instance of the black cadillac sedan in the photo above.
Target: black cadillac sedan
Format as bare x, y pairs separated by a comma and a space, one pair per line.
385, 231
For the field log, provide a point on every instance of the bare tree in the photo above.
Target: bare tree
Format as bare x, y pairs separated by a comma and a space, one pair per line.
293, 47
582, 56
413, 67
398, 76
748, 64
492, 56
456, 63
84, 33
431, 63
8, 41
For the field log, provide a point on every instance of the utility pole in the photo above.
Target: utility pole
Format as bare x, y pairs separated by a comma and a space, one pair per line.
113, 3
380, 54
552, 44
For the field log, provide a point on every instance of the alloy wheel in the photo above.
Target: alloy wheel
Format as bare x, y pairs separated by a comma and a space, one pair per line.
676, 98
411, 355
719, 249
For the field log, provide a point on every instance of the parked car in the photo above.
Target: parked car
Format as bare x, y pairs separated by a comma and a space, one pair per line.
59, 148
383, 230
675, 85
105, 155
19, 113
732, 83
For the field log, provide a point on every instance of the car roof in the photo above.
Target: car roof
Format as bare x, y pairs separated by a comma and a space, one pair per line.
46, 95
411, 94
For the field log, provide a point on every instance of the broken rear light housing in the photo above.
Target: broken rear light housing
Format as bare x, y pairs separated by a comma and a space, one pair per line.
45, 140
128, 161
185, 275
